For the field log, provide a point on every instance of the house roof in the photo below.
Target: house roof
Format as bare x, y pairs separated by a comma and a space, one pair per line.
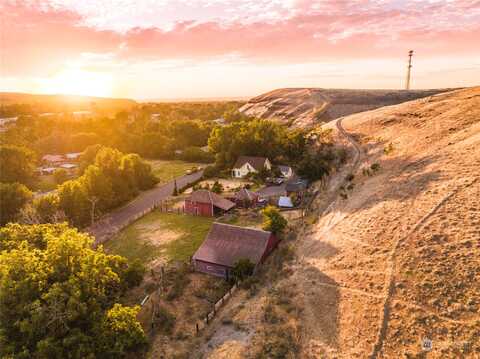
226, 244
245, 195
53, 158
205, 196
256, 162
298, 185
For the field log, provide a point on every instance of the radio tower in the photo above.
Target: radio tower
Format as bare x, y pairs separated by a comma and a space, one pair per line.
410, 54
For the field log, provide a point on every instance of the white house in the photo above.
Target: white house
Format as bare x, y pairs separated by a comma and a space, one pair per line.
247, 164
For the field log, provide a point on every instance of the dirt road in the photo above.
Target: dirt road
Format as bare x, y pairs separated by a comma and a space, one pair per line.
119, 218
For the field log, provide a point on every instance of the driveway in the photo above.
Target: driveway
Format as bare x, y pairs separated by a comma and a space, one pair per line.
121, 217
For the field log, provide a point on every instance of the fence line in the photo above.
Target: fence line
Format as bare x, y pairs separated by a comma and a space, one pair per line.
199, 326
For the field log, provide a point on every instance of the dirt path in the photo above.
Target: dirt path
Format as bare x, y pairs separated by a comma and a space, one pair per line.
119, 218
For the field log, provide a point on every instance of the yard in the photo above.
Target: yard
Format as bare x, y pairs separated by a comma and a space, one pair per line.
161, 236
165, 171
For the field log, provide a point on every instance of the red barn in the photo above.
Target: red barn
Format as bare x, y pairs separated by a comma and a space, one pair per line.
206, 203
226, 244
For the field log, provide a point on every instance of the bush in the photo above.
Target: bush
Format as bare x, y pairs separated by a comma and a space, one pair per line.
217, 187
242, 269
375, 167
133, 275
210, 171
273, 220
280, 343
350, 177
196, 154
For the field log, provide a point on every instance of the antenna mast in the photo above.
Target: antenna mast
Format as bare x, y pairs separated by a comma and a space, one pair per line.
410, 54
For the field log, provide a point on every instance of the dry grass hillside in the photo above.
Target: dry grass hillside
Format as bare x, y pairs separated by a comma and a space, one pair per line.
398, 259
305, 107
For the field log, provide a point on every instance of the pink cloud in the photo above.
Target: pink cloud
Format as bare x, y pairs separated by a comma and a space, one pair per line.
39, 37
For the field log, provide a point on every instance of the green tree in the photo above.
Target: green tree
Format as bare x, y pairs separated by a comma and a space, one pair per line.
47, 207
59, 296
13, 197
217, 187
273, 221
73, 201
242, 269
17, 164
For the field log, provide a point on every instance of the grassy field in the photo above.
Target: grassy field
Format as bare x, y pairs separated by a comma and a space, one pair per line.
167, 170
169, 236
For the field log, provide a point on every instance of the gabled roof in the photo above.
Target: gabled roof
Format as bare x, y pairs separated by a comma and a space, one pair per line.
53, 158
204, 196
226, 244
272, 191
245, 195
256, 162
284, 169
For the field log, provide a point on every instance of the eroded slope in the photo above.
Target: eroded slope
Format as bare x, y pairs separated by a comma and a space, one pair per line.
398, 261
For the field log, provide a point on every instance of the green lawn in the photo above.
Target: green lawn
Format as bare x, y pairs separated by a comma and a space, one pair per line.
165, 171
172, 236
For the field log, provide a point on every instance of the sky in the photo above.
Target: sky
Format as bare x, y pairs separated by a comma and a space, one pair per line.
167, 49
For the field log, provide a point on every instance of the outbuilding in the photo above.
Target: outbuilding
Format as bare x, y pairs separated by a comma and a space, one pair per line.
206, 203
226, 244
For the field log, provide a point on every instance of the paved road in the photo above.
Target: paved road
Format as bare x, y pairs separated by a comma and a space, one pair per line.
119, 218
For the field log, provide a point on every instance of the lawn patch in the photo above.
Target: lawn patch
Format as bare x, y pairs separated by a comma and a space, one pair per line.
165, 171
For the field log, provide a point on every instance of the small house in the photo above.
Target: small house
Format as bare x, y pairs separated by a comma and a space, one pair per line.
246, 198
73, 156
272, 193
226, 244
250, 164
206, 203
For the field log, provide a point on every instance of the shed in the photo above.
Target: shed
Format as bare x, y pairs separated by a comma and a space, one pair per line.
206, 203
225, 244
246, 198
285, 202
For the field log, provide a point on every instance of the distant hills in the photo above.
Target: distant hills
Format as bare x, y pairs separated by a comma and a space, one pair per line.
60, 103
305, 107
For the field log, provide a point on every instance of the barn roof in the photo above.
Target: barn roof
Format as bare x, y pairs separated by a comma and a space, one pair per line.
205, 196
226, 244
256, 162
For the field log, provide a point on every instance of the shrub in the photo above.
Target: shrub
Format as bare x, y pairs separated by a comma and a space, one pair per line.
242, 269
210, 171
217, 187
273, 220
350, 177
375, 167
389, 149
134, 273
196, 154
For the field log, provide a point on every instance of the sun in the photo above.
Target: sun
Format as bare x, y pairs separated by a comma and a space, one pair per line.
78, 82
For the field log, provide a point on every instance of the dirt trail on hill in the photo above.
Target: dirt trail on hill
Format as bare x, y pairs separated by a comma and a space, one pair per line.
398, 261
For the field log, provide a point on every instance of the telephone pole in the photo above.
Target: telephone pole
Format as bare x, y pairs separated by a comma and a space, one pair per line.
410, 54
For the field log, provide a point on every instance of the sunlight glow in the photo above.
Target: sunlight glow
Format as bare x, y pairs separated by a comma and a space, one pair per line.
78, 82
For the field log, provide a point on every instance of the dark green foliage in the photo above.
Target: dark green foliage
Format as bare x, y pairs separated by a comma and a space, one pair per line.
217, 187
17, 164
280, 343
111, 179
133, 275
273, 220
46, 207
375, 167
58, 296
196, 154
210, 171
350, 177
242, 269
13, 197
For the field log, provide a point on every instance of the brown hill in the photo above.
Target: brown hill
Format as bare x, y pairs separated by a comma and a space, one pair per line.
393, 256
58, 103
399, 260
305, 107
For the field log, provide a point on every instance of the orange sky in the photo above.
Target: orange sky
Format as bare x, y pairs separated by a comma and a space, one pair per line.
220, 48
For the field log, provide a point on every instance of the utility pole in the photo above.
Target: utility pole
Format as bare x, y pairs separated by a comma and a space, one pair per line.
410, 54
